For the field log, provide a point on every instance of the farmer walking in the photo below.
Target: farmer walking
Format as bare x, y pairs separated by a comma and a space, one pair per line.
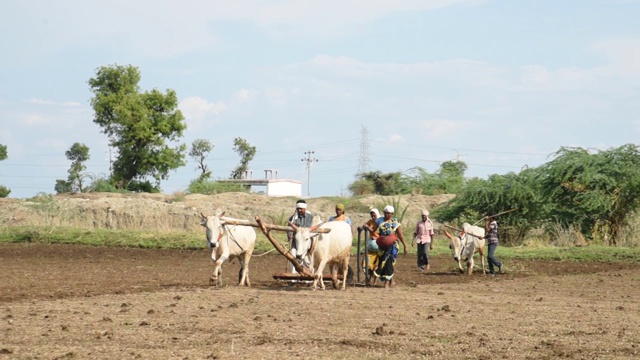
423, 235
491, 229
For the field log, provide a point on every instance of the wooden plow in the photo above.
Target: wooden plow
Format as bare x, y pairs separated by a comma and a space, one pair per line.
362, 257
304, 273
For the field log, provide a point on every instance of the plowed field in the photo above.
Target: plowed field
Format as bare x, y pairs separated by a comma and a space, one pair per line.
77, 302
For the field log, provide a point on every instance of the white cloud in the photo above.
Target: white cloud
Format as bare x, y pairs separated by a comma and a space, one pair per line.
63, 114
623, 53
276, 96
34, 119
395, 138
197, 109
51, 102
163, 29
243, 96
443, 127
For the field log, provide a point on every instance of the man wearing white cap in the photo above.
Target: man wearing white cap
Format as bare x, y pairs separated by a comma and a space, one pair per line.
301, 218
423, 235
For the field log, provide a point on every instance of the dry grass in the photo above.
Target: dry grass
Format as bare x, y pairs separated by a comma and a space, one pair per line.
176, 211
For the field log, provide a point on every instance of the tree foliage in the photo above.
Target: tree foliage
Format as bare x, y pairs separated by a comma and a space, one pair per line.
139, 125
596, 191
379, 183
4, 191
497, 194
208, 187
78, 154
449, 179
361, 187
246, 152
200, 148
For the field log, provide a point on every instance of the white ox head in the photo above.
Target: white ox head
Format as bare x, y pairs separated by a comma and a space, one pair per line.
303, 239
213, 225
459, 243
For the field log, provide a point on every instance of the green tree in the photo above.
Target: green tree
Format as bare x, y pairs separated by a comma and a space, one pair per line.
598, 191
361, 187
78, 154
62, 186
246, 152
449, 179
480, 198
383, 184
139, 125
4, 191
200, 148
451, 176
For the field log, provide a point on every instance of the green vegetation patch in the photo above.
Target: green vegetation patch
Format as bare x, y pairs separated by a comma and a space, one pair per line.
189, 240
102, 237
118, 238
593, 253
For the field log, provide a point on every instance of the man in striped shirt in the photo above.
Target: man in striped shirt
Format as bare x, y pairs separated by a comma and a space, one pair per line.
491, 228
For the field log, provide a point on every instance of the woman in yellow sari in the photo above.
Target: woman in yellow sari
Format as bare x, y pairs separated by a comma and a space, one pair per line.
372, 247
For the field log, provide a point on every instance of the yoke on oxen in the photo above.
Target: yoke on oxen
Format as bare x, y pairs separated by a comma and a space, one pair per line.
304, 272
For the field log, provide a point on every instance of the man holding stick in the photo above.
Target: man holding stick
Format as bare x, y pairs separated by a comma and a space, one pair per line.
491, 229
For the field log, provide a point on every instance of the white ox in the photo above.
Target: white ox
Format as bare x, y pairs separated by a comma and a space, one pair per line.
463, 246
228, 242
332, 248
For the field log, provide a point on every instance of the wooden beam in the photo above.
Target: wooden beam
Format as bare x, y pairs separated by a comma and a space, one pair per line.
268, 226
291, 276
299, 268
460, 230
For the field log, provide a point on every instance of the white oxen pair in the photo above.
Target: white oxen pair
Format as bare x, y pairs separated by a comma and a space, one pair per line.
332, 248
463, 246
228, 242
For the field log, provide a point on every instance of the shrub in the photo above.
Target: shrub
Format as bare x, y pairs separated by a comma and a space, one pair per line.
215, 187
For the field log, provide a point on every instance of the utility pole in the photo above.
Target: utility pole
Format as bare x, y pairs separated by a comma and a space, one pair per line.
110, 160
363, 163
309, 160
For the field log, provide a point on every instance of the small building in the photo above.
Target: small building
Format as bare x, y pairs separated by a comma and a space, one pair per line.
271, 185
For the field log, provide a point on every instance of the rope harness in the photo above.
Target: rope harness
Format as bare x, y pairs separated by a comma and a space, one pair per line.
230, 236
308, 252
463, 244
223, 230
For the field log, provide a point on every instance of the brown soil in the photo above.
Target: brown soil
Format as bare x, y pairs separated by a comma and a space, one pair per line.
76, 302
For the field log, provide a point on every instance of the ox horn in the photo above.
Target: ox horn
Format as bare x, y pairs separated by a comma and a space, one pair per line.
448, 235
293, 226
316, 227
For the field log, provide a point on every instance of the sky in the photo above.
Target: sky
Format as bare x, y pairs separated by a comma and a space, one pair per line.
377, 85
